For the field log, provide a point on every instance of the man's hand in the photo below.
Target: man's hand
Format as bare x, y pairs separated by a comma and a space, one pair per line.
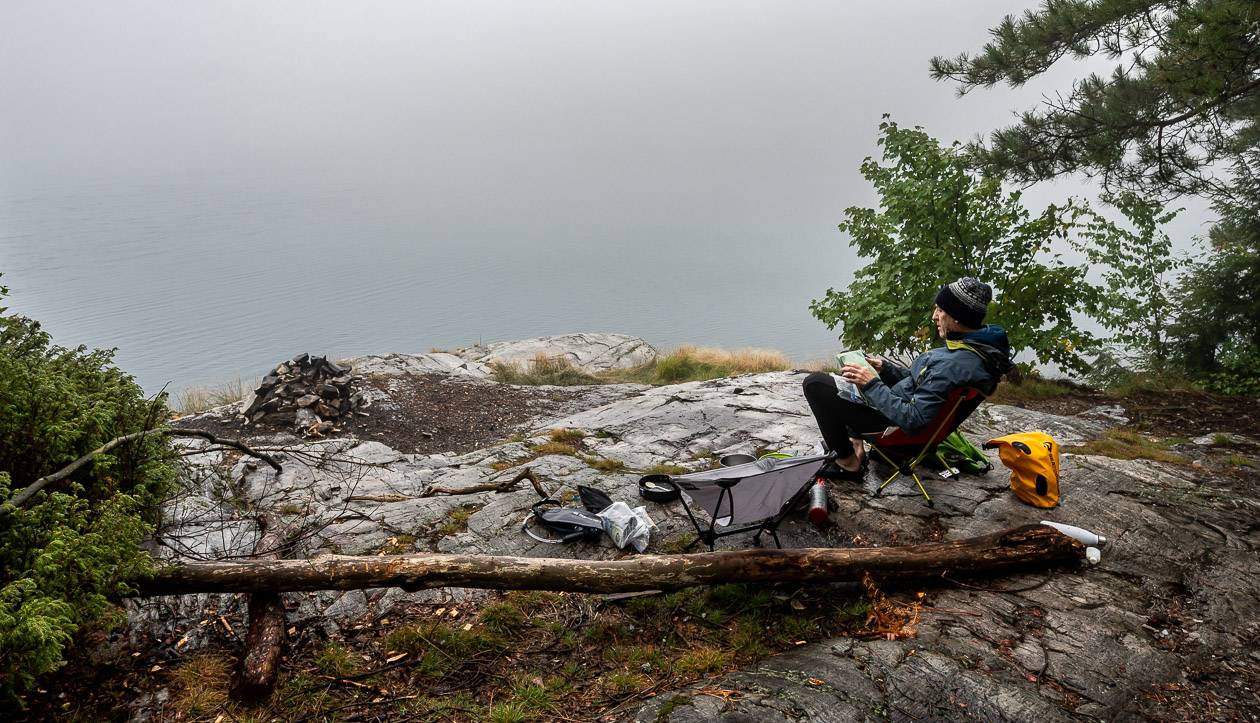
856, 375
875, 361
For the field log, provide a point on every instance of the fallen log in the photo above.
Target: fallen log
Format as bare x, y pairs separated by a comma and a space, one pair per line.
264, 642
1031, 545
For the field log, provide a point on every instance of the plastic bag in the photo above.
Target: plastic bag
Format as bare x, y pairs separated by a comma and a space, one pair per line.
627, 527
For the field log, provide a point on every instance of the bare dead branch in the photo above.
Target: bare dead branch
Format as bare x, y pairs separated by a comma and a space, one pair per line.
505, 486
29, 491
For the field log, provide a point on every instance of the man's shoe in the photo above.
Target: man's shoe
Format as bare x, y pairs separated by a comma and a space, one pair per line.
833, 471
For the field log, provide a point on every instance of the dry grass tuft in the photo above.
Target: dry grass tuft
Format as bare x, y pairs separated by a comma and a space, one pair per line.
604, 464
566, 436
546, 448
740, 361
195, 400
543, 369
696, 363
685, 364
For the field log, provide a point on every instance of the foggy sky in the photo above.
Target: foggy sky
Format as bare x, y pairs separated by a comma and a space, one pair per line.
780, 97
648, 133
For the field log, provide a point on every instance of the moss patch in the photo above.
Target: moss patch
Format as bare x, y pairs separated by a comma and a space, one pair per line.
1119, 443
200, 684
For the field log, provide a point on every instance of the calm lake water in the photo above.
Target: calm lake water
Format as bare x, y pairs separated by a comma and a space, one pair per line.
202, 278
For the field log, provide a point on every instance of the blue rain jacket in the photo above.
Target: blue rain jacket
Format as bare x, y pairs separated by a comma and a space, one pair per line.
911, 398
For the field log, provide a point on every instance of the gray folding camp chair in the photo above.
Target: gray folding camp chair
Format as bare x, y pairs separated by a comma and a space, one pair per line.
754, 496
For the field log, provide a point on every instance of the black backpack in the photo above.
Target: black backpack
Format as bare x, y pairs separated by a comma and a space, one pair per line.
569, 523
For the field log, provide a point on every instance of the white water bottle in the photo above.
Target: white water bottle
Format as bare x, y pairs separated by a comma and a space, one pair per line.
1080, 534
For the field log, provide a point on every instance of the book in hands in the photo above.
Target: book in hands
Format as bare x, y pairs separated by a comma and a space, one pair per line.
857, 357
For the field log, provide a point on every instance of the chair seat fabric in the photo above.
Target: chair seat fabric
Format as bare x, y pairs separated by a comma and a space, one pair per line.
758, 490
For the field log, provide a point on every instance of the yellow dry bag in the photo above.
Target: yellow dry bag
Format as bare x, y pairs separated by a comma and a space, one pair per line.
1033, 458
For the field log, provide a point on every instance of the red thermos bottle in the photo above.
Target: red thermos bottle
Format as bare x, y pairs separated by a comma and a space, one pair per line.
818, 502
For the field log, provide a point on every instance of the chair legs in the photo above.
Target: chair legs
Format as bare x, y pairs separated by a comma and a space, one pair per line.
907, 469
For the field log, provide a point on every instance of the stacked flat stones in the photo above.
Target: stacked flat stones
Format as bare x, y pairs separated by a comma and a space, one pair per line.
315, 393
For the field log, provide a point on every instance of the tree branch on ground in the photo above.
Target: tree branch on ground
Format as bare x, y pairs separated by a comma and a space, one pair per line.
505, 486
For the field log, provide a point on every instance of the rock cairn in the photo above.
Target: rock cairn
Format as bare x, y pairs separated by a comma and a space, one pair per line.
313, 392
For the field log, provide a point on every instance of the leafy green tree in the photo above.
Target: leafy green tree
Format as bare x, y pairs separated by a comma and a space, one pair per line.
937, 221
1217, 333
1136, 265
72, 547
1181, 104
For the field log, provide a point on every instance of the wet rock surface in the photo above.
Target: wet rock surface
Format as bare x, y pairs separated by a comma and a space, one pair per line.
591, 352
1165, 626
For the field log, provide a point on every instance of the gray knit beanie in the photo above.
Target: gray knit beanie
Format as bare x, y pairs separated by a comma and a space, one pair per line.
966, 299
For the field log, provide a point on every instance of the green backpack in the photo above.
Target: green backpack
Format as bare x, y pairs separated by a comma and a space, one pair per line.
955, 452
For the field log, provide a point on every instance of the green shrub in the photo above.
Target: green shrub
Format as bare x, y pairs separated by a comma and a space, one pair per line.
1236, 376
72, 547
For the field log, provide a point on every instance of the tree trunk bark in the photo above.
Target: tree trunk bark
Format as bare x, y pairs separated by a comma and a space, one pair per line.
1031, 545
264, 643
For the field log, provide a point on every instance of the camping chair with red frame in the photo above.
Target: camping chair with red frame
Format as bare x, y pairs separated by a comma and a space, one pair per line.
905, 452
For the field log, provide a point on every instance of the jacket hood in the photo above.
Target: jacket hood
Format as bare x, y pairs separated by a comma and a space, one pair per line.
991, 342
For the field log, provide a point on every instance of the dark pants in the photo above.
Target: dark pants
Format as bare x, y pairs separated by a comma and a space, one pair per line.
838, 416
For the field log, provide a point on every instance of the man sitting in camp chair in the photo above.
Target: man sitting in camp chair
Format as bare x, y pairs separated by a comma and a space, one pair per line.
974, 355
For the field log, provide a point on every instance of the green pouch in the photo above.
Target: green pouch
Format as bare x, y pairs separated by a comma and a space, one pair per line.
956, 452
